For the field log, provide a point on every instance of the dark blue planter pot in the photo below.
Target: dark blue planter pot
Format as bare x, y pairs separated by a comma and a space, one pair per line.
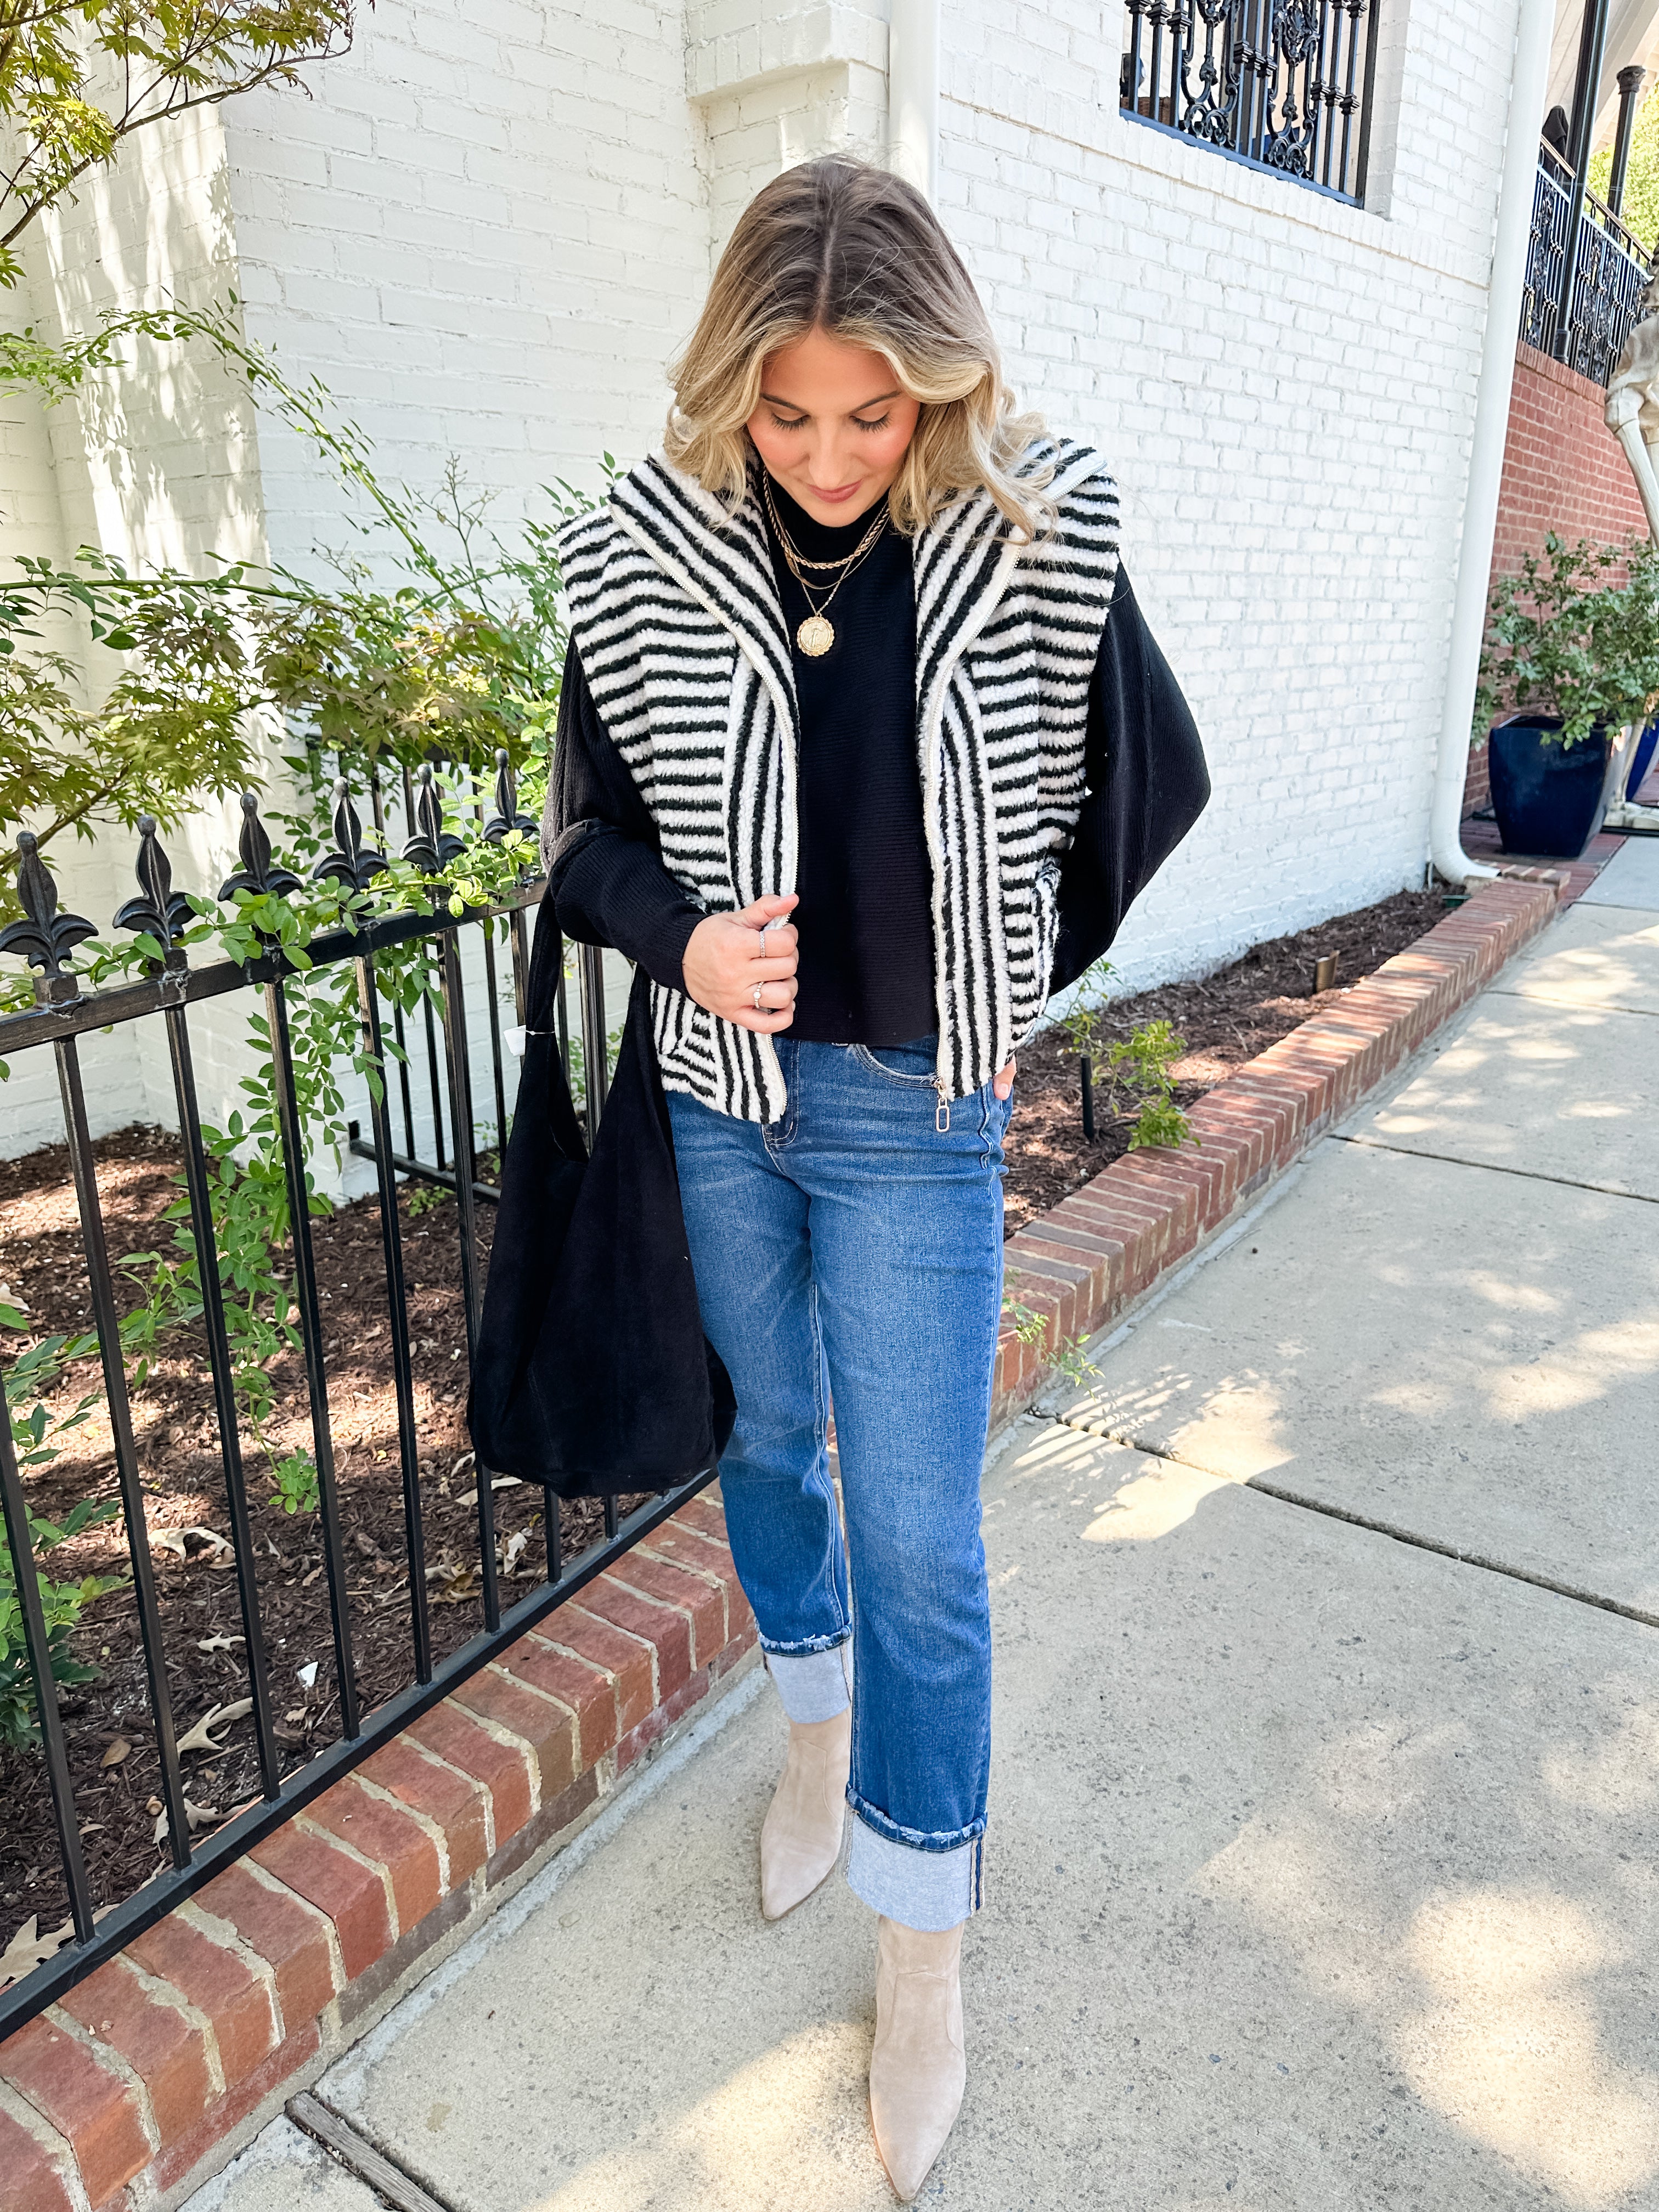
1641, 759
1548, 797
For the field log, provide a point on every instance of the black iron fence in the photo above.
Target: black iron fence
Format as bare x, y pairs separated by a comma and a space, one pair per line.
1285, 85
1586, 273
419, 1127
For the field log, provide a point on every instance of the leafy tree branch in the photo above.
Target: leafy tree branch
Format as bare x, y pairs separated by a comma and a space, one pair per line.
78, 80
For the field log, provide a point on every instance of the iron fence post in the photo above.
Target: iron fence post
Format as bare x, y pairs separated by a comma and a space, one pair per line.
224, 1392
37, 1644
460, 1119
403, 1378
100, 1282
311, 1331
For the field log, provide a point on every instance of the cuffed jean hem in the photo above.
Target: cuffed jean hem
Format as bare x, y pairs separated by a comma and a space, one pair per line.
811, 1684
928, 1891
806, 1645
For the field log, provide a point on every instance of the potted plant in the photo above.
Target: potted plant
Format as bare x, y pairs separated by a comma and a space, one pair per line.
1571, 655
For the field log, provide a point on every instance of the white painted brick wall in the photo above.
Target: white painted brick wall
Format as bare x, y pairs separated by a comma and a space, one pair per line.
1286, 387
775, 89
484, 234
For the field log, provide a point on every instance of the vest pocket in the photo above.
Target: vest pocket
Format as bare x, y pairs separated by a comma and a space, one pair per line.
1029, 992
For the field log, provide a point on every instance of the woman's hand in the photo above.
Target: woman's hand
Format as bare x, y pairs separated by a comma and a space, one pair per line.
724, 965
1003, 1081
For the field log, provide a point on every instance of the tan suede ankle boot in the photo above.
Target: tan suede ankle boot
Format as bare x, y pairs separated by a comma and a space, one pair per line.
801, 1840
919, 2067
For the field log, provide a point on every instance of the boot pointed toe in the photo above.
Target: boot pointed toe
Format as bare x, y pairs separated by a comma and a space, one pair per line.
909, 2138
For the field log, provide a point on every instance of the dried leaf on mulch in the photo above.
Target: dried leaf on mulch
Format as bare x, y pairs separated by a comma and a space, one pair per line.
27, 1950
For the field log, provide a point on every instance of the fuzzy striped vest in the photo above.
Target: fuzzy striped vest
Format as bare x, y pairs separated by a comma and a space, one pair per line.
674, 608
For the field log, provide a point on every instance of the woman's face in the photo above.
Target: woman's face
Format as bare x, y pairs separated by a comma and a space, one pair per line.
832, 426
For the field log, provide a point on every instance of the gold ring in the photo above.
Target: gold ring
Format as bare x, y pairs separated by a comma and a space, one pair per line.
758, 1007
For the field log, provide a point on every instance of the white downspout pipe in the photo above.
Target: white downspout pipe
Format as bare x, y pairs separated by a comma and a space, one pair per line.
913, 93
1534, 29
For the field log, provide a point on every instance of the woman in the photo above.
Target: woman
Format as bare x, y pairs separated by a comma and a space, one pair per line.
863, 750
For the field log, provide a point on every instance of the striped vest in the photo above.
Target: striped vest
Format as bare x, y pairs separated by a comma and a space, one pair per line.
674, 607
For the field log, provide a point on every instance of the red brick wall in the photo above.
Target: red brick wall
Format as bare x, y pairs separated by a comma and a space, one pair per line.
1563, 470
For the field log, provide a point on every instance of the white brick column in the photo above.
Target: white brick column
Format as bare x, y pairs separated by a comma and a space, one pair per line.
774, 88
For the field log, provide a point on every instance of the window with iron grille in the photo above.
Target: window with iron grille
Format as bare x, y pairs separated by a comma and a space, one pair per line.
1281, 84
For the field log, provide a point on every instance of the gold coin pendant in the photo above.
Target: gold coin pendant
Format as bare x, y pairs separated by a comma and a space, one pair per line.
816, 635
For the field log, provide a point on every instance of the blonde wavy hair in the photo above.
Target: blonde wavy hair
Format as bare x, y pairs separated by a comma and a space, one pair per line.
842, 246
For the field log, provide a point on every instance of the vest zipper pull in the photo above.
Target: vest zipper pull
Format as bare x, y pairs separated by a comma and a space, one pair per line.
942, 1111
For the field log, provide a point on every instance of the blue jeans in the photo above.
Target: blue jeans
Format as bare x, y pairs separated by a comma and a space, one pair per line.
851, 1251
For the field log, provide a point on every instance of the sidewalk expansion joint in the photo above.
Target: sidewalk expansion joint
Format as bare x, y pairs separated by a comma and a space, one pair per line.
1389, 1528
1577, 1005
1618, 906
1494, 1167
360, 2157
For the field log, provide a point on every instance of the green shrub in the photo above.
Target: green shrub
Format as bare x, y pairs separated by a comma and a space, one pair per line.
298, 1487
63, 1603
1134, 1071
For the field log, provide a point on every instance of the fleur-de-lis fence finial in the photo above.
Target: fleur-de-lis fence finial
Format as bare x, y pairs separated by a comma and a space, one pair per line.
351, 863
256, 874
507, 816
432, 848
44, 938
159, 911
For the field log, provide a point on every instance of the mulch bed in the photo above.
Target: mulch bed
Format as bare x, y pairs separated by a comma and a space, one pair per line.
1225, 1020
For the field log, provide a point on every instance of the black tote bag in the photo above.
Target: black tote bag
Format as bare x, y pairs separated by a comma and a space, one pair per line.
592, 1372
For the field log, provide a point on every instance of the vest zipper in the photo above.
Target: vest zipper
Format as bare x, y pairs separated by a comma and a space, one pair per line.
942, 1111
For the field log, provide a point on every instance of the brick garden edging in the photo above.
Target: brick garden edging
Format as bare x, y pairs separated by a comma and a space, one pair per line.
1082, 1262
142, 2080
129, 2092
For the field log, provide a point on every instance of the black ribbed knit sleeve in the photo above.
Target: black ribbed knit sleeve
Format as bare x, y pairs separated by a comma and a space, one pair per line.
1147, 786
605, 872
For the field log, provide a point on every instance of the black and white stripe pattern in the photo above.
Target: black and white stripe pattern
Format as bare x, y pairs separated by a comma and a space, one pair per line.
674, 608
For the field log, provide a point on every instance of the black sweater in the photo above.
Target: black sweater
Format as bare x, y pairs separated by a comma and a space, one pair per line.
866, 956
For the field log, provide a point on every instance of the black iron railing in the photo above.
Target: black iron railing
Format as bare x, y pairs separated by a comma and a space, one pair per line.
1584, 280
1283, 84
438, 1148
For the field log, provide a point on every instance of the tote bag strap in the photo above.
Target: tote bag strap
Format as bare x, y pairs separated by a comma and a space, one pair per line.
541, 992
543, 1086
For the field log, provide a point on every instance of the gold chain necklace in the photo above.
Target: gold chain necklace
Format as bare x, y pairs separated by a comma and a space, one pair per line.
816, 634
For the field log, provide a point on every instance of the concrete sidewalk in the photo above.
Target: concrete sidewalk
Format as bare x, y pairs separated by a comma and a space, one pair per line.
1322, 1870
